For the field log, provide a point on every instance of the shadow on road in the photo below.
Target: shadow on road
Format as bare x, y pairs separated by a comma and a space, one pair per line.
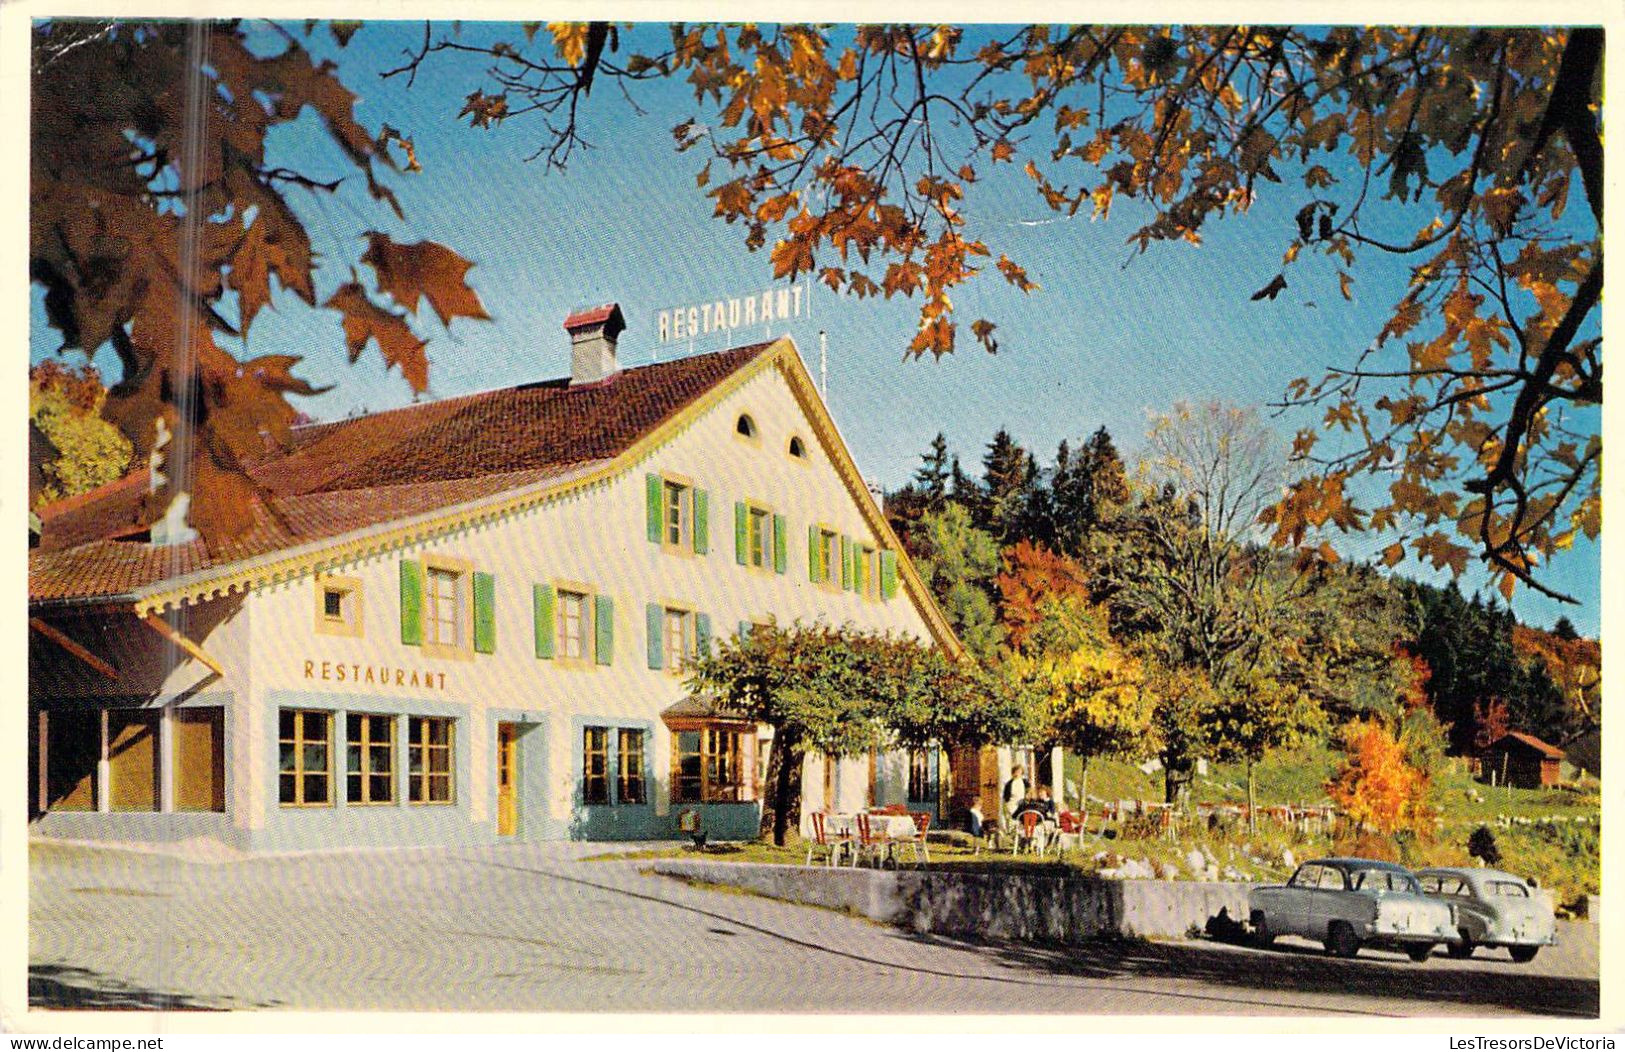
61, 986
1305, 970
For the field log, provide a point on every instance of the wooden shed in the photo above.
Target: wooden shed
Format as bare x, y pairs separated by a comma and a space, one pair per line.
1522, 760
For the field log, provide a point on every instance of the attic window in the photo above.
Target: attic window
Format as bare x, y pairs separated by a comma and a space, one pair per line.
746, 426
797, 449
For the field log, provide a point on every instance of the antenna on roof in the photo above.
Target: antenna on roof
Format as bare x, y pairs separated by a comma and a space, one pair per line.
823, 365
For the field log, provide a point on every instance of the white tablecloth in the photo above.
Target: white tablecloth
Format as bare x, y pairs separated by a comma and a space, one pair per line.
897, 827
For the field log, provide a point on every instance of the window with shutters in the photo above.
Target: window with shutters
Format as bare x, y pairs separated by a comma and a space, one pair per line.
447, 607
338, 606
866, 564
710, 764
677, 506
429, 760
304, 760
574, 625
369, 747
760, 526
678, 638
443, 607
678, 515
828, 548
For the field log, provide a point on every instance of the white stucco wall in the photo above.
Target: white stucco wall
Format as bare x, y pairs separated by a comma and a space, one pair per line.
595, 537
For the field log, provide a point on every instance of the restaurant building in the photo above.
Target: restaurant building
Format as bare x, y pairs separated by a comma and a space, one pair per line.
467, 620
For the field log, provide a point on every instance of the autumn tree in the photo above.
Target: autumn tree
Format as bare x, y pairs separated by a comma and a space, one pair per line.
1030, 579
160, 222
1377, 787
65, 404
1087, 693
856, 153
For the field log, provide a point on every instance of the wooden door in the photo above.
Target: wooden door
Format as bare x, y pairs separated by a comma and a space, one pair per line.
507, 780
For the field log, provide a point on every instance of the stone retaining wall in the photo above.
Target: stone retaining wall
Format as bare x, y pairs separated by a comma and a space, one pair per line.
1038, 907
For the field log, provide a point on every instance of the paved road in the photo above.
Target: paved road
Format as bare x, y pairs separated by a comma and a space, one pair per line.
534, 928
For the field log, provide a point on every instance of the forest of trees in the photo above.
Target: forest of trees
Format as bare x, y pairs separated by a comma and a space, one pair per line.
1084, 573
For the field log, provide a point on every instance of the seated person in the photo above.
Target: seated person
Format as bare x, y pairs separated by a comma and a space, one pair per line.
1041, 803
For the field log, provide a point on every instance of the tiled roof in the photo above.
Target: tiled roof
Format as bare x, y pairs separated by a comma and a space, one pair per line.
353, 474
1551, 752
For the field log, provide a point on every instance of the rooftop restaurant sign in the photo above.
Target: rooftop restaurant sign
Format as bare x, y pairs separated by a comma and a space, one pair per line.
691, 321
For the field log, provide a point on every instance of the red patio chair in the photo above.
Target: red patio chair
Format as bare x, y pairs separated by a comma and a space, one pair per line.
916, 843
1029, 831
834, 846
876, 845
1071, 827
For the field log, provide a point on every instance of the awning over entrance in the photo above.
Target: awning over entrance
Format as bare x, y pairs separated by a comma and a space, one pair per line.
703, 708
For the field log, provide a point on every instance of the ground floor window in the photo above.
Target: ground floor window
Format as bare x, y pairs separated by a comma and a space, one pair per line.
429, 755
595, 765
200, 759
629, 788
304, 765
612, 757
370, 759
709, 765
73, 750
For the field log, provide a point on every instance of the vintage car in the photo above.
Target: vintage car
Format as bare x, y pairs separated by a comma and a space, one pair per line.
1493, 909
1348, 903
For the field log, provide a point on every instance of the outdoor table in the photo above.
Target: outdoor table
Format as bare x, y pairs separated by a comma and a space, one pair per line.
889, 828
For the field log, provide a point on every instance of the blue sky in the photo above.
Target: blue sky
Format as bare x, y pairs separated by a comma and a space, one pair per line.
1110, 337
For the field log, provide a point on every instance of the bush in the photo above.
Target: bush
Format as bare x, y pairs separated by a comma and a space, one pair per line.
1481, 845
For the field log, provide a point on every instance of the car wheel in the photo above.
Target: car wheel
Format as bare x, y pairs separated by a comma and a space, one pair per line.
1462, 950
1262, 936
1419, 951
1523, 954
1341, 940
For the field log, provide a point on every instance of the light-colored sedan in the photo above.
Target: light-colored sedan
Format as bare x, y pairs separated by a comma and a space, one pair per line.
1348, 903
1493, 909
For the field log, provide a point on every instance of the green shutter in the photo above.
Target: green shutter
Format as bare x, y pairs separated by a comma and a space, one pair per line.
888, 574
702, 635
814, 553
846, 562
857, 564
651, 616
744, 630
781, 554
702, 522
654, 491
603, 627
741, 533
546, 630
411, 603
485, 615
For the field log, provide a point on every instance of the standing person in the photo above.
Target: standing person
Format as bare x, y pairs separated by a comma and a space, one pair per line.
1015, 791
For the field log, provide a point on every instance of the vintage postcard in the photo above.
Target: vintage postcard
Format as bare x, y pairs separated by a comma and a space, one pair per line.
810, 518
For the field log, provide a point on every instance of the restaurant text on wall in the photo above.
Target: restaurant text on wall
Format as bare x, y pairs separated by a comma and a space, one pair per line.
373, 675
690, 321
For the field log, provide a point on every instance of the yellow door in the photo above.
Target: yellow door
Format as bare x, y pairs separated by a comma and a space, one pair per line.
507, 789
